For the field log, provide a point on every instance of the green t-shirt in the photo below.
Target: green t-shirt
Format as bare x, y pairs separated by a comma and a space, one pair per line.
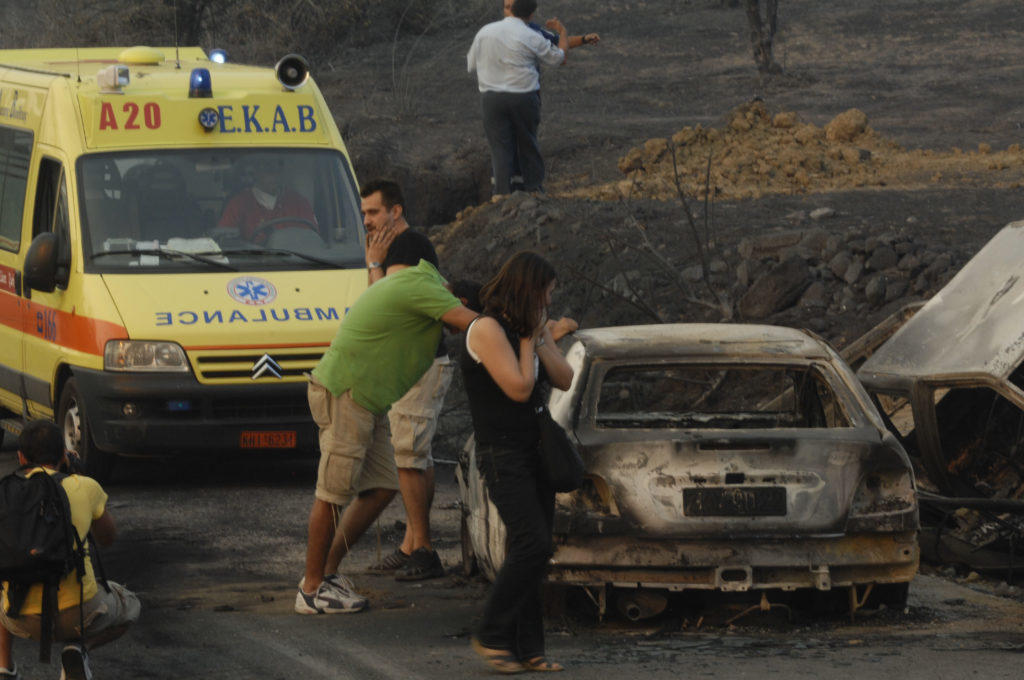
387, 340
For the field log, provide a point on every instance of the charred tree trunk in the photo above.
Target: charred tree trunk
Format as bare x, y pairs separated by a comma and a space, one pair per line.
762, 33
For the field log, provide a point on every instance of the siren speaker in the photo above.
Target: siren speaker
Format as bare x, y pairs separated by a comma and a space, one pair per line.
292, 71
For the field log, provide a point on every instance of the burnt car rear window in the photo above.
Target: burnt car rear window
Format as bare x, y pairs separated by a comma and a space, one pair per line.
718, 397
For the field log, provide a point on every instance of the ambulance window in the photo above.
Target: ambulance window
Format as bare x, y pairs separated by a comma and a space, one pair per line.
51, 199
15, 150
51, 212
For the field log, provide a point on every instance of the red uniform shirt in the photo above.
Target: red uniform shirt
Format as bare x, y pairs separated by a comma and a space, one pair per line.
245, 213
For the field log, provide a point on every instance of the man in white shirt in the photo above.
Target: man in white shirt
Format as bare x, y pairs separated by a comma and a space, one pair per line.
505, 56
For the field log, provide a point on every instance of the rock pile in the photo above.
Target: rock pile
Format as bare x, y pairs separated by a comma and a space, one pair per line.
827, 272
817, 274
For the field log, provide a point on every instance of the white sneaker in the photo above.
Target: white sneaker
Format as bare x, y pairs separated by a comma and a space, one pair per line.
335, 595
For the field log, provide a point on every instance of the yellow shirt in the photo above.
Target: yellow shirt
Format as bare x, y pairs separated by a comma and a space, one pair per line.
88, 502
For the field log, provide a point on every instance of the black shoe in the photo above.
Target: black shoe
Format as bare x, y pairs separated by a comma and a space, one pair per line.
74, 663
395, 560
423, 564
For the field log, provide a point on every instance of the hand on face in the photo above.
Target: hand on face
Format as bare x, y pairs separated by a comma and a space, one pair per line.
379, 240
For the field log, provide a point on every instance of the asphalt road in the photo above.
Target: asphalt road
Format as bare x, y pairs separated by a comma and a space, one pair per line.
215, 551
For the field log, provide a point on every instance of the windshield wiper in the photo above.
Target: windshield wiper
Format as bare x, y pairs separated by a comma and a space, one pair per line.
198, 257
280, 251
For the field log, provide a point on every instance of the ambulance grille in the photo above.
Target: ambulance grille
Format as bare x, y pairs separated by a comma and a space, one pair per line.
235, 366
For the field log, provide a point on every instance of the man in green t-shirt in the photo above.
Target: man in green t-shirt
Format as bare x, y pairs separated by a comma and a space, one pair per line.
385, 343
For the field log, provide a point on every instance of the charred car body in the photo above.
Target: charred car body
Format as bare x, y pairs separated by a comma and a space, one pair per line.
719, 457
950, 382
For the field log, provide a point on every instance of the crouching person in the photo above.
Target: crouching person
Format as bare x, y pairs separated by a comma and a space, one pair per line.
88, 614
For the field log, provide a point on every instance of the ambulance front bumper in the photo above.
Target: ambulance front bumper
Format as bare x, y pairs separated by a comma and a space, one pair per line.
138, 414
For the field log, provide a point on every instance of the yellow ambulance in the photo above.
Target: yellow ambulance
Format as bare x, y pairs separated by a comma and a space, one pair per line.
179, 240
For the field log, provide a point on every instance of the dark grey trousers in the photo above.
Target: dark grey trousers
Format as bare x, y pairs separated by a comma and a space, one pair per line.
511, 120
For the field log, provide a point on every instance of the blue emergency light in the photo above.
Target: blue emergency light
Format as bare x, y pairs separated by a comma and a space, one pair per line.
218, 56
199, 83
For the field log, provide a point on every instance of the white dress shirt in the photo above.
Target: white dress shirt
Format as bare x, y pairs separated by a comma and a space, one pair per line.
505, 55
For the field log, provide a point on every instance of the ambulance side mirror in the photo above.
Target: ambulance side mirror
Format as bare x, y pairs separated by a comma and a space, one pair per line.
41, 262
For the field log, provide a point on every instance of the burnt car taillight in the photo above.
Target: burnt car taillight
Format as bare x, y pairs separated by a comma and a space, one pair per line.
885, 500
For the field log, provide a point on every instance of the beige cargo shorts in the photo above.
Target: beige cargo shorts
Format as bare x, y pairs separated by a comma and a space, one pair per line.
355, 454
413, 418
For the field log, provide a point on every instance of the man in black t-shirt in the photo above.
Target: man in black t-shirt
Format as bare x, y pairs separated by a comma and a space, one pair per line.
413, 418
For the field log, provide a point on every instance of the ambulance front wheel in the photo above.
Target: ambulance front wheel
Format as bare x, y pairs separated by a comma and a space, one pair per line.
72, 421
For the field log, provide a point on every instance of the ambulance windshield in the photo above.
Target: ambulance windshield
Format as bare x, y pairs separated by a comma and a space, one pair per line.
237, 209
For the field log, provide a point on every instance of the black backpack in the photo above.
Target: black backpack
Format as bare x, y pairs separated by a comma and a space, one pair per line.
38, 544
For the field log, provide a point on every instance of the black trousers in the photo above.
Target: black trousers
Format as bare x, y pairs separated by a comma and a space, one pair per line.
511, 120
513, 615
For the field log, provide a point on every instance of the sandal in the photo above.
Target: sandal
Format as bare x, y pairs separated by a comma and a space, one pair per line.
498, 660
540, 664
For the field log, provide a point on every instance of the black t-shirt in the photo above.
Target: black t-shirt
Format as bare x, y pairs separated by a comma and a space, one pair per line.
413, 235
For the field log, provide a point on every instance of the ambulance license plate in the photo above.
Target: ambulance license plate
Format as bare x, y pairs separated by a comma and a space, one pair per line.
254, 439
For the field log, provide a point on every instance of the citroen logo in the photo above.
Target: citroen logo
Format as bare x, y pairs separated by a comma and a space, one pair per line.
266, 365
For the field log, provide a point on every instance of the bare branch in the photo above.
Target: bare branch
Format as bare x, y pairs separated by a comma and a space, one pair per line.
636, 302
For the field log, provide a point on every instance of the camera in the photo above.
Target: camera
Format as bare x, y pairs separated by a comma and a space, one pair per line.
73, 464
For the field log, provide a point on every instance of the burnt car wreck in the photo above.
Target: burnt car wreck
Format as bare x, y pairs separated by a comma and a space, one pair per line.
950, 383
718, 457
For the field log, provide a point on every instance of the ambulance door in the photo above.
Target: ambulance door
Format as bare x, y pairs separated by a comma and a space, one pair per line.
45, 313
15, 154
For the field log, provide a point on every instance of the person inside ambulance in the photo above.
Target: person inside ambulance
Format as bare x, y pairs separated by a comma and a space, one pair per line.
269, 205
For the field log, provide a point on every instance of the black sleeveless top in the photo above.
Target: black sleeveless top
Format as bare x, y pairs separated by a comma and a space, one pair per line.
496, 418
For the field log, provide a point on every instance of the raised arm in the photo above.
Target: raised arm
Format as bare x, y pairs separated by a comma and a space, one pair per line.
563, 35
459, 318
559, 371
515, 376
377, 243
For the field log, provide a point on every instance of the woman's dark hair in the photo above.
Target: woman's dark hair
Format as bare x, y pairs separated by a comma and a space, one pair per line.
516, 294
42, 443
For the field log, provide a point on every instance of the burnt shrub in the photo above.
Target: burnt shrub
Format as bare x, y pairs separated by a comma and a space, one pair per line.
252, 31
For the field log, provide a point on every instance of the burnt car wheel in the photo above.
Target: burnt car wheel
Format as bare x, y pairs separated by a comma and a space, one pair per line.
77, 438
892, 595
469, 566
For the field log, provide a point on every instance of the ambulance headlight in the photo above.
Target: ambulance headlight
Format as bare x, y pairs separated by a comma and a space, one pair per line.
144, 355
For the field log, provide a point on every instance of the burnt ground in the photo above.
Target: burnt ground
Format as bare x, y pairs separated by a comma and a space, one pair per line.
932, 78
215, 550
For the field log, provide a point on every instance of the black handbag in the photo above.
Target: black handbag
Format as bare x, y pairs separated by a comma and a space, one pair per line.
561, 463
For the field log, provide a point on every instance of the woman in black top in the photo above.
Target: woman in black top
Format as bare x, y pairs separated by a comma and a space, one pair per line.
508, 353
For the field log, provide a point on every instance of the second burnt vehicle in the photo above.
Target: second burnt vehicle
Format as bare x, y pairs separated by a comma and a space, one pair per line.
949, 377
718, 457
